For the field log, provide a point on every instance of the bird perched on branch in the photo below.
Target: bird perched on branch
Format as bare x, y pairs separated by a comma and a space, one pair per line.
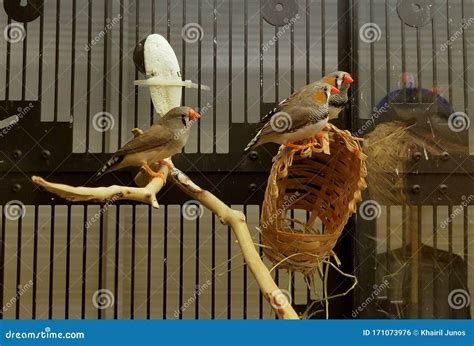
341, 80
162, 140
298, 117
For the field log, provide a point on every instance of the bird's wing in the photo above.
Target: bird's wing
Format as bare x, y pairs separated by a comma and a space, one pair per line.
155, 137
285, 103
299, 117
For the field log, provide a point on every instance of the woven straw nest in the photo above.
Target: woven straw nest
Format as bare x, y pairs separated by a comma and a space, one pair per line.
326, 180
389, 148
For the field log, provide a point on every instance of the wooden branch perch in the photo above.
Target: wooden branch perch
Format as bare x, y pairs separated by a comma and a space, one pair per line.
146, 193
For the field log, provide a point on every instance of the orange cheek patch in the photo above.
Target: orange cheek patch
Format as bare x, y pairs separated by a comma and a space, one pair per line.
330, 80
320, 96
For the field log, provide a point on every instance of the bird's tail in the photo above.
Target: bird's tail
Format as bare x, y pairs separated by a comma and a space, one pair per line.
109, 166
254, 142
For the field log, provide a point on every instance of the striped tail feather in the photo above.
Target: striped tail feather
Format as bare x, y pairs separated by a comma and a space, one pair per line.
254, 142
109, 166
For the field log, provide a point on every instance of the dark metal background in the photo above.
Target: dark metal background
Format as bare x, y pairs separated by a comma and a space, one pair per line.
68, 85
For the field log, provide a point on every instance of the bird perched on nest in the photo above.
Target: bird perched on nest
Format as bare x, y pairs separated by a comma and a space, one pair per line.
341, 80
162, 140
298, 117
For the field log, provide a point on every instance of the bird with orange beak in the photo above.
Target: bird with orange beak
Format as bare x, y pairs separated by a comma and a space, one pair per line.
300, 116
164, 139
341, 80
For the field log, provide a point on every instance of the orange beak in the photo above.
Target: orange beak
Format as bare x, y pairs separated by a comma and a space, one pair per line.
193, 115
334, 90
347, 79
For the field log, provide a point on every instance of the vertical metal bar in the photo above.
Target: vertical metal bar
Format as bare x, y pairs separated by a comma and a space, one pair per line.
260, 252
277, 66
323, 37
2, 265
84, 264
229, 274
132, 263
18, 269
68, 261
168, 20
246, 59
183, 56
418, 64
153, 8
199, 76
40, 55
404, 61
372, 59
165, 259
101, 254
56, 60
88, 95
387, 46
419, 257
120, 114
148, 273
464, 59
117, 263
214, 80
308, 37
137, 24
230, 64
213, 266
388, 241
292, 57
434, 54
73, 61
7, 65
181, 262
196, 282
23, 62
51, 262
35, 264
105, 72
435, 262
450, 54
450, 252
261, 56
245, 278
466, 237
